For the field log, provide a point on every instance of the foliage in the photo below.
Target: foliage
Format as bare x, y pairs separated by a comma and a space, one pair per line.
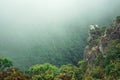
70, 70
15, 74
44, 71
9, 73
5, 63
102, 68
83, 65
95, 74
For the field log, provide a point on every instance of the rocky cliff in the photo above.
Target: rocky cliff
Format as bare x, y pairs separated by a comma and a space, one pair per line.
100, 39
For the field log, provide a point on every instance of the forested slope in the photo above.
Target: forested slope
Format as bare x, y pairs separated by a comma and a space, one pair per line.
101, 60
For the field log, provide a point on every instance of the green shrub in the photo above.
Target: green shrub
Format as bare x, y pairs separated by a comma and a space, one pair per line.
5, 63
95, 74
44, 71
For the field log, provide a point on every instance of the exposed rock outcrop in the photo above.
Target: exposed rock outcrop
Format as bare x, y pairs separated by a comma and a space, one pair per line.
99, 38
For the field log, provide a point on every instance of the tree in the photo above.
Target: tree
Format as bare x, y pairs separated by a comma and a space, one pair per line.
5, 63
69, 72
15, 74
43, 71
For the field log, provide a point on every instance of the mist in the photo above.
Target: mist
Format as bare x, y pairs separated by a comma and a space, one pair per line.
44, 27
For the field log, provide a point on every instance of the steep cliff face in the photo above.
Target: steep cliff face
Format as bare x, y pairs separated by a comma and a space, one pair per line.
100, 39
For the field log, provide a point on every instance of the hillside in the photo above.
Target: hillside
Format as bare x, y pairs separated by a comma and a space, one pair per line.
101, 60
103, 52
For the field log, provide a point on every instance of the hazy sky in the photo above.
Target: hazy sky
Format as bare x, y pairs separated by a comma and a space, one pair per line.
53, 12
26, 21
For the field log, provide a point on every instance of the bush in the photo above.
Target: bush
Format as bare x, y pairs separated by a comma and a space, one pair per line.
5, 63
15, 74
95, 74
71, 70
44, 71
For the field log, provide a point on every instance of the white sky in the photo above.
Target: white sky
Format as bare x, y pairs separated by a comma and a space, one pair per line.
23, 20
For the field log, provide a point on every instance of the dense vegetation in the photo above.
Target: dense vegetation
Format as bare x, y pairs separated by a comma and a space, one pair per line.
101, 63
105, 69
